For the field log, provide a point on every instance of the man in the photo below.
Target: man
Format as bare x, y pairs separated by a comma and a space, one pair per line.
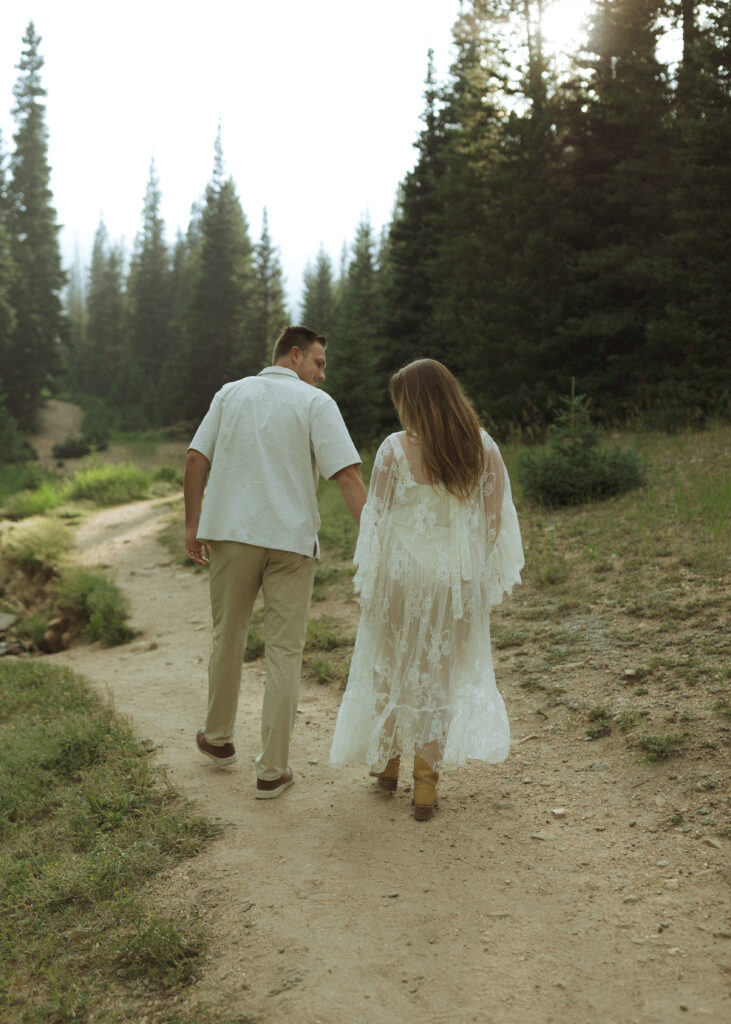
264, 441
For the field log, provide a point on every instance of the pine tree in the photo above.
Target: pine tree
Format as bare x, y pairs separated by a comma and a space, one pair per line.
689, 341
356, 341
7, 273
319, 302
149, 314
413, 245
30, 358
102, 373
617, 148
268, 316
221, 294
471, 267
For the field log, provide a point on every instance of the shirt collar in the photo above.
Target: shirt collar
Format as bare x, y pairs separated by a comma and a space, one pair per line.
277, 369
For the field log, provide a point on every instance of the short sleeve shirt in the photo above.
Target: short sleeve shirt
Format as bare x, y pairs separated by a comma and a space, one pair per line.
268, 439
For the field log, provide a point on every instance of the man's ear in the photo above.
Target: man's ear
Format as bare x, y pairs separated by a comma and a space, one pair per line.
295, 353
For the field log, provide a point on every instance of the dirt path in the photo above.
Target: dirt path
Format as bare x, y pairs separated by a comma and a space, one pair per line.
332, 904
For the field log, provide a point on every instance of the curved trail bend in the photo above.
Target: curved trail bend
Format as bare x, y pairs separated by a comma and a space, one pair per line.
332, 904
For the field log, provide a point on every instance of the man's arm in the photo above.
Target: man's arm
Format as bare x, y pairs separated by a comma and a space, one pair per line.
194, 483
352, 489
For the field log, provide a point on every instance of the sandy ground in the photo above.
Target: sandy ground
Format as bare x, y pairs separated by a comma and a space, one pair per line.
547, 889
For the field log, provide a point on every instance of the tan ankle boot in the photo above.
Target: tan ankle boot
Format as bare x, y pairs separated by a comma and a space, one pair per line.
425, 790
388, 778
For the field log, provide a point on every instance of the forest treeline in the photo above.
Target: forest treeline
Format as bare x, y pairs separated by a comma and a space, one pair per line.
561, 220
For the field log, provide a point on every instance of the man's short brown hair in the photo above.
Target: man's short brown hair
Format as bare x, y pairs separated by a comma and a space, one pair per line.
301, 337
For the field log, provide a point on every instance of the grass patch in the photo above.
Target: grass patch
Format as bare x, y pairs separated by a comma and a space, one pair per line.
601, 717
324, 635
85, 821
109, 485
96, 601
37, 543
657, 748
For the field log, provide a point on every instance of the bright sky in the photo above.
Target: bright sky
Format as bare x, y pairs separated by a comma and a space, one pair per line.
319, 104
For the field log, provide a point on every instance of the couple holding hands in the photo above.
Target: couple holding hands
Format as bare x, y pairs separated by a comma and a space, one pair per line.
439, 545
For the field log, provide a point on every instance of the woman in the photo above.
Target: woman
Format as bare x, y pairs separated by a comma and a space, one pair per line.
439, 544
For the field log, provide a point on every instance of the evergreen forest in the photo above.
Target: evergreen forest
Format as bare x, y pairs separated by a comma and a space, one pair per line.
561, 220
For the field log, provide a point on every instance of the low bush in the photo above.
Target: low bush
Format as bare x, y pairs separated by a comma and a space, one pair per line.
168, 475
37, 542
574, 469
96, 601
14, 448
97, 424
324, 635
33, 629
109, 485
71, 448
37, 501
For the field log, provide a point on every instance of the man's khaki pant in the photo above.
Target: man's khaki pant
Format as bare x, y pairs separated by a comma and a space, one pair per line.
237, 573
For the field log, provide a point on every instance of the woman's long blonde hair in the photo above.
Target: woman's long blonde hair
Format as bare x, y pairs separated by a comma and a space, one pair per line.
433, 407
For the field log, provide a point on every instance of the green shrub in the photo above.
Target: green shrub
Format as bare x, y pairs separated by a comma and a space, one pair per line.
20, 477
96, 601
37, 501
574, 469
600, 716
33, 629
659, 747
14, 448
109, 485
168, 475
37, 542
97, 424
71, 448
324, 635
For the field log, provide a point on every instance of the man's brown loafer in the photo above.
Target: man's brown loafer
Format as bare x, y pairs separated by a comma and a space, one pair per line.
268, 789
221, 755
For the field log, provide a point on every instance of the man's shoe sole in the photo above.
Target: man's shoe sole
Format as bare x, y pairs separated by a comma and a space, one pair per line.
271, 794
222, 761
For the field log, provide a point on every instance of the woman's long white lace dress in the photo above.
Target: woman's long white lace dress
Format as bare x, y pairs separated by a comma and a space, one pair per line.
430, 567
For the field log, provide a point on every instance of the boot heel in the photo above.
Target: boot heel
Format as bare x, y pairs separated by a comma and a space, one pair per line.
388, 778
425, 790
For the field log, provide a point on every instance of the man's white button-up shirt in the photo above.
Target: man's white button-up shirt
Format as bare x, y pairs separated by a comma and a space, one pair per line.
268, 438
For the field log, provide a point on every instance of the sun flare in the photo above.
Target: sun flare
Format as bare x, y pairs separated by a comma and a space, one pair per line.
564, 23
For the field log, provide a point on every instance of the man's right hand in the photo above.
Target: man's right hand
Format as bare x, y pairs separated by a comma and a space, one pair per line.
352, 489
196, 550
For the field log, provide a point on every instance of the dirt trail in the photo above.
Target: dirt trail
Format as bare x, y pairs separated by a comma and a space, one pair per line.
332, 904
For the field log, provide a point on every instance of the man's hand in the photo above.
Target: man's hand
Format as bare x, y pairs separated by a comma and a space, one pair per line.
352, 489
194, 483
196, 550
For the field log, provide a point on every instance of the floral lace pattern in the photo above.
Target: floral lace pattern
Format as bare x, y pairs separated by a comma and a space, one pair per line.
429, 568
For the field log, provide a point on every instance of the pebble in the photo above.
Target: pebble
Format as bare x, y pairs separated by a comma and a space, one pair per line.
559, 812
714, 843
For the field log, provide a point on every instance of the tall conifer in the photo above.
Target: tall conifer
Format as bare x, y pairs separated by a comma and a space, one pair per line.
149, 314
268, 315
30, 358
221, 294
319, 302
357, 339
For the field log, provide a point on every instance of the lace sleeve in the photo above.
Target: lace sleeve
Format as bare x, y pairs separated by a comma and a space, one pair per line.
380, 496
504, 546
